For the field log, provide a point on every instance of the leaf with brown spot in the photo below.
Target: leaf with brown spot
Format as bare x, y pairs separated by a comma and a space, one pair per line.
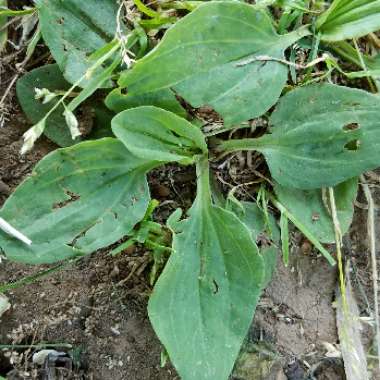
68, 205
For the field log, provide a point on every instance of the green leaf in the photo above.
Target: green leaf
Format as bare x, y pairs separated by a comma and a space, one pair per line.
267, 238
322, 135
10, 12
304, 230
312, 210
74, 29
153, 133
204, 301
284, 226
346, 19
118, 102
3, 22
216, 64
77, 200
49, 77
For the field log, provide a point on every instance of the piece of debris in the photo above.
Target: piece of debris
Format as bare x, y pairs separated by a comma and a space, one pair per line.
40, 356
349, 331
4, 304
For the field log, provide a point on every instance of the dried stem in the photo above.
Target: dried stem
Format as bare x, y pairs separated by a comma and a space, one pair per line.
372, 247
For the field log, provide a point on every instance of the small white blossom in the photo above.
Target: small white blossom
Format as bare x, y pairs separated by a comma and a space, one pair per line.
44, 94
72, 123
31, 135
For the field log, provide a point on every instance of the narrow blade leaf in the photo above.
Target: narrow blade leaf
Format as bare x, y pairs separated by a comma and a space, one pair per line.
349, 19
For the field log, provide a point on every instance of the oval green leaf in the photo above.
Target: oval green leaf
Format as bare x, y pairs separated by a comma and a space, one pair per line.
153, 133
118, 102
218, 63
77, 200
322, 135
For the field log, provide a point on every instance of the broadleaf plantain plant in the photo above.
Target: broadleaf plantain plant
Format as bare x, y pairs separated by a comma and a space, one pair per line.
224, 54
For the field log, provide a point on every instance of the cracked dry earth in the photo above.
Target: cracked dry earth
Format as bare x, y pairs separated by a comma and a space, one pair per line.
91, 307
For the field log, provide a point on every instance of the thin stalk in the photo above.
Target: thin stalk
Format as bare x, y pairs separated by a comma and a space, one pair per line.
98, 63
338, 242
345, 50
10, 230
372, 246
364, 66
37, 276
36, 346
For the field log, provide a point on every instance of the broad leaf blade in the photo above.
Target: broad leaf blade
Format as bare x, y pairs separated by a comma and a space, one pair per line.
349, 19
153, 133
204, 301
322, 135
77, 200
209, 67
50, 77
118, 102
73, 29
309, 207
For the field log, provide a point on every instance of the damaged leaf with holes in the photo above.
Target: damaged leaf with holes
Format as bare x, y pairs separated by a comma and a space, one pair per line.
88, 196
204, 301
321, 135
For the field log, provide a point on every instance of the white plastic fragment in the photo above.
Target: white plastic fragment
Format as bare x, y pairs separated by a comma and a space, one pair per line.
4, 304
7, 228
40, 356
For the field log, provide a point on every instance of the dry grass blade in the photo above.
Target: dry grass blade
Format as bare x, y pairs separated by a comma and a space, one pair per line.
349, 331
372, 246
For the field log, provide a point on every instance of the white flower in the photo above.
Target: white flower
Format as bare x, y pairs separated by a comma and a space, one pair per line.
44, 94
72, 123
31, 135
